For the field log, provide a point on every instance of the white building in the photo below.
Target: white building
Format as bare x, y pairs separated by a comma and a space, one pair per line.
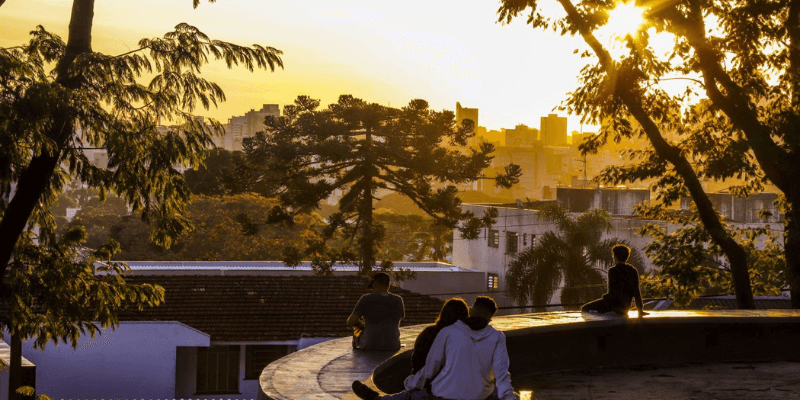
245, 126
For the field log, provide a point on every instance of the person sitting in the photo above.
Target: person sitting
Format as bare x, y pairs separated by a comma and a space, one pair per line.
468, 361
381, 312
453, 310
623, 286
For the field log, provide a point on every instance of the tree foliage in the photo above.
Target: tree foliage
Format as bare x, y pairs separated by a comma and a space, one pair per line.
58, 98
215, 234
357, 149
691, 265
60, 294
737, 116
96, 100
575, 258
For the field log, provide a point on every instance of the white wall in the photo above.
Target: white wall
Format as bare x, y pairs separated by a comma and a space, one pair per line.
137, 360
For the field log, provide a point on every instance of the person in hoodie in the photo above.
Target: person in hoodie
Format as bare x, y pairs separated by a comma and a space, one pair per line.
453, 310
468, 361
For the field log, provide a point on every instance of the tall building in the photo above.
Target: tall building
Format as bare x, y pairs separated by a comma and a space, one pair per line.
245, 126
553, 130
463, 113
521, 135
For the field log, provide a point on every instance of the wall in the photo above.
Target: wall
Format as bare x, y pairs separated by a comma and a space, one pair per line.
615, 201
187, 373
444, 285
137, 360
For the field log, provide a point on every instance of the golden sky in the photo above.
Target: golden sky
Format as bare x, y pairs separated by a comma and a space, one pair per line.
388, 52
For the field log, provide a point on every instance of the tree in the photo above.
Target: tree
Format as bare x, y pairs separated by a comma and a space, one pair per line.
691, 265
358, 149
738, 115
96, 100
214, 176
576, 256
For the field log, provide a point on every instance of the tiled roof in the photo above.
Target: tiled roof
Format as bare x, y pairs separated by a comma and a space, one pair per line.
262, 308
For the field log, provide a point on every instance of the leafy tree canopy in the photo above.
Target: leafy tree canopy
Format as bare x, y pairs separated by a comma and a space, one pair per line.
96, 100
356, 150
736, 117
58, 98
691, 265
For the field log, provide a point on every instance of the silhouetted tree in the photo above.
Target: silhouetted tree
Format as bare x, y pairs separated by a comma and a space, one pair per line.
691, 265
576, 256
748, 67
96, 100
218, 174
358, 148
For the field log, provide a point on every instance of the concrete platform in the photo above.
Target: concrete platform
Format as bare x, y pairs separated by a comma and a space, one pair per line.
542, 342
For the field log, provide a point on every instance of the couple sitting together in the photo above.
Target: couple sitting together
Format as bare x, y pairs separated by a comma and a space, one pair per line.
460, 357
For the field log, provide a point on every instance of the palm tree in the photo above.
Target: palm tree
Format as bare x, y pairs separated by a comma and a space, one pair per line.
435, 244
575, 255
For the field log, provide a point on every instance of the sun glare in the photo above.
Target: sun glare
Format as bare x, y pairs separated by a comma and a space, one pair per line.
625, 19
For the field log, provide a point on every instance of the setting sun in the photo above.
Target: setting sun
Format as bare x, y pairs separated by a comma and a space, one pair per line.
625, 19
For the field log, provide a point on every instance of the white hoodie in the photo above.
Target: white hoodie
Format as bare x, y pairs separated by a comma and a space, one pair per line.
463, 364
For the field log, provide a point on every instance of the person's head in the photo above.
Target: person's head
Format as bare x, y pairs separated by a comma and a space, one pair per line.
621, 252
453, 310
483, 307
380, 282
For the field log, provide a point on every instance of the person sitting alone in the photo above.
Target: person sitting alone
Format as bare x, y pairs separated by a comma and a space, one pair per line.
453, 310
623, 286
468, 361
381, 312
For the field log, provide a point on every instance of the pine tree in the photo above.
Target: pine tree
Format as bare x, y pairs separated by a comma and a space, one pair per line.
359, 149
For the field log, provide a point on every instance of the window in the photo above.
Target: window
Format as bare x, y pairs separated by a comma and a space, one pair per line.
257, 357
494, 238
512, 243
492, 281
218, 369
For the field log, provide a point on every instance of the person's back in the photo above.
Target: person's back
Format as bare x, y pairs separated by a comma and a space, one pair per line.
453, 310
382, 313
623, 286
467, 372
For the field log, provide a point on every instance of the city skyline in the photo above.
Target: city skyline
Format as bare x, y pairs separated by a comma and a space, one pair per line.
388, 54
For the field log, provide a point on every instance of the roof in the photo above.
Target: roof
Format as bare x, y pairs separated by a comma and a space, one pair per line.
268, 308
426, 266
727, 303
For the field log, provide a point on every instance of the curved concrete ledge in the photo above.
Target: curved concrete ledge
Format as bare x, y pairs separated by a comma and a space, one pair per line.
552, 341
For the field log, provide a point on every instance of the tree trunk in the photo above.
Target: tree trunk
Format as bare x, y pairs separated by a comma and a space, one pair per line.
791, 246
35, 179
15, 368
367, 241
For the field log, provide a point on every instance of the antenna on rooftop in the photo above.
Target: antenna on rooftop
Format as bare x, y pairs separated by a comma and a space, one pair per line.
520, 205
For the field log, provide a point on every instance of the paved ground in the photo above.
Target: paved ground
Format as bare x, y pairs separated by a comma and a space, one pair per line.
725, 381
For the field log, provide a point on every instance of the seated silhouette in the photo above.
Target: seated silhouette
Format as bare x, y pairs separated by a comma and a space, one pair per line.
623, 286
